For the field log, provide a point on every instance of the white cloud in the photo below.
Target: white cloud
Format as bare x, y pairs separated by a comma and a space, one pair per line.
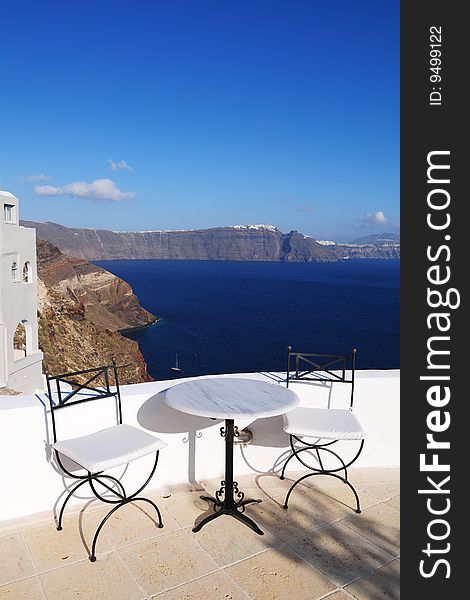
35, 177
376, 218
119, 166
100, 189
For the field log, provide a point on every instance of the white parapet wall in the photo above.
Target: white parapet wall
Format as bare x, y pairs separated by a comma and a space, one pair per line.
195, 452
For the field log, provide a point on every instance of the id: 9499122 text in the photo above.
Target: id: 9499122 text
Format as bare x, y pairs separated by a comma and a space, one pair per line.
435, 65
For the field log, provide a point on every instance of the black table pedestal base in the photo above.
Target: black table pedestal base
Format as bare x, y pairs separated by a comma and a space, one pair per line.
218, 509
229, 488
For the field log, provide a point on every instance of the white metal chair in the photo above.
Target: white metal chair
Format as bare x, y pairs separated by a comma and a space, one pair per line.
104, 449
314, 430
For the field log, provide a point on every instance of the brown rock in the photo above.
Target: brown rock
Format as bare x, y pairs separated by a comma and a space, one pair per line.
82, 309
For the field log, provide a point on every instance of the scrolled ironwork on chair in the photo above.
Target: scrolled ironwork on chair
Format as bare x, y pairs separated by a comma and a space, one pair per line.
314, 430
104, 449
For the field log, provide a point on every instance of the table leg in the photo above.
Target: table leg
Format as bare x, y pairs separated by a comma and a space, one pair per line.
229, 490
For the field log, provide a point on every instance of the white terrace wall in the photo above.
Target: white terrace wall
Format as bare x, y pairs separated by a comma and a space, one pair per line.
195, 452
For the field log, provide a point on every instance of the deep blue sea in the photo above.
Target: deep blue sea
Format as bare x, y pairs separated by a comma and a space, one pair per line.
222, 317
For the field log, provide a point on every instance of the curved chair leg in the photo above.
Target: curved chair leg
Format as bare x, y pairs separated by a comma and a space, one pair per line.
323, 449
112, 511
152, 503
317, 448
91, 477
116, 481
100, 527
121, 498
297, 451
358, 506
75, 488
69, 495
121, 502
322, 470
282, 476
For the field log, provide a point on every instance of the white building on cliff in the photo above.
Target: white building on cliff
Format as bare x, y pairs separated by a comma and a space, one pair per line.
20, 357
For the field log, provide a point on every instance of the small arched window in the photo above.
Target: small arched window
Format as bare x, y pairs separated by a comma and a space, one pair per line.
20, 341
27, 272
14, 271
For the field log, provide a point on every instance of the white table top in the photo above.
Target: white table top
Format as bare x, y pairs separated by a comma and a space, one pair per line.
231, 398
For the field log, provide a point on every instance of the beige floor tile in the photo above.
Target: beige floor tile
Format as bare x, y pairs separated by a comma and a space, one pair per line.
394, 502
272, 485
374, 474
338, 596
104, 579
185, 508
285, 524
315, 482
335, 500
51, 548
217, 586
360, 476
384, 584
340, 554
162, 494
137, 522
379, 524
228, 540
14, 558
279, 574
167, 558
382, 490
26, 589
166, 561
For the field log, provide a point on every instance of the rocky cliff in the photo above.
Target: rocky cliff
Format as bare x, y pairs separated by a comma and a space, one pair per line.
378, 245
378, 239
243, 243
82, 309
367, 250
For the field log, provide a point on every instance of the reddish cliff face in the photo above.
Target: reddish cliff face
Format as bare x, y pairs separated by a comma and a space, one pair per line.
82, 308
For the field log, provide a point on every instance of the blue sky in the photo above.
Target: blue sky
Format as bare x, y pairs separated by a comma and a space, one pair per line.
193, 114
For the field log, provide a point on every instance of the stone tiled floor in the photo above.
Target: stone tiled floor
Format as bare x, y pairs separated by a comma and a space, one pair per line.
318, 548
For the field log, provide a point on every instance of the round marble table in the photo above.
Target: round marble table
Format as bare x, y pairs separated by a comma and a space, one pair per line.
230, 398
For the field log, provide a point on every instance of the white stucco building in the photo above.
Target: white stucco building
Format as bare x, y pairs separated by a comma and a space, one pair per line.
20, 357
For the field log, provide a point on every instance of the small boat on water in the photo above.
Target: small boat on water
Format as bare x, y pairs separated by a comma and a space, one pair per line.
176, 367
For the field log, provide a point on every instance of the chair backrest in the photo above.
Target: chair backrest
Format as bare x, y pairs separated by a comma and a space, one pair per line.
87, 385
333, 368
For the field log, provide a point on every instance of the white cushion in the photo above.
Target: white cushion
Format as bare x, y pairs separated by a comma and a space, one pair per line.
324, 423
109, 448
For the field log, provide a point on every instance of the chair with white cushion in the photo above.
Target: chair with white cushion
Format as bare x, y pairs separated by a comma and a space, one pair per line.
312, 431
105, 449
